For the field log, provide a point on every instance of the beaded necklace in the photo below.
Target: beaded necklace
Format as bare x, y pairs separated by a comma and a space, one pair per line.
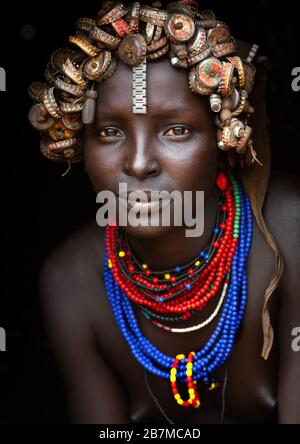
224, 266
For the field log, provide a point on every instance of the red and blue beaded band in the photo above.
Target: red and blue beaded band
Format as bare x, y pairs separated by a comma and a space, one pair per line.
225, 267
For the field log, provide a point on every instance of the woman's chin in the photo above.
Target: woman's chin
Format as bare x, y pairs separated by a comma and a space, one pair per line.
148, 231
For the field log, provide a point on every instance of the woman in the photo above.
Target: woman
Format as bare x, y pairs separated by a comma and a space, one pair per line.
161, 134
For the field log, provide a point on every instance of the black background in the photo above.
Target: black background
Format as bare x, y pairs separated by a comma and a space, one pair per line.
40, 208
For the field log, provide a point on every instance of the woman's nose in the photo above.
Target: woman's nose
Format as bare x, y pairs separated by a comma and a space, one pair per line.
141, 160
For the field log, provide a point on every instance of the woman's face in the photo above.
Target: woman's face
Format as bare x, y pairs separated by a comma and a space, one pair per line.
172, 147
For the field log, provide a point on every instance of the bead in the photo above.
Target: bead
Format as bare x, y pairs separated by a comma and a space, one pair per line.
221, 182
224, 265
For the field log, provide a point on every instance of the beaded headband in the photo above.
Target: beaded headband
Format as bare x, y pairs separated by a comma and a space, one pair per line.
137, 34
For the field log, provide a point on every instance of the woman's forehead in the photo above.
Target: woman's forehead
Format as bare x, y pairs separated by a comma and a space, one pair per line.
167, 88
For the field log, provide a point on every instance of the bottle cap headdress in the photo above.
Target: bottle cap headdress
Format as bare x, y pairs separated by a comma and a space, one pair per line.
135, 35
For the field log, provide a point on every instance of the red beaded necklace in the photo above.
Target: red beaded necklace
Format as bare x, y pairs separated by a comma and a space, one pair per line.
194, 287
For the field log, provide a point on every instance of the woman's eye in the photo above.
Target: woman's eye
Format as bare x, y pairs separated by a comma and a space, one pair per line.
177, 131
109, 132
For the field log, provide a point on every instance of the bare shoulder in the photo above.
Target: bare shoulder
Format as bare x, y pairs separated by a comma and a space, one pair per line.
72, 262
67, 282
71, 298
283, 198
282, 213
84, 242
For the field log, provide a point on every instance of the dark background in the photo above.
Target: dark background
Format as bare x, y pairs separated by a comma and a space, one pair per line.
40, 208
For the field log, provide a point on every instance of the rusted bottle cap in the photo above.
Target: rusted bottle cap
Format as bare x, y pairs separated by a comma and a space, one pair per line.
105, 38
85, 45
36, 90
110, 12
155, 16
59, 57
219, 34
249, 71
132, 49
198, 40
73, 121
39, 117
180, 27
209, 72
85, 24
95, 67
58, 131
110, 70
196, 85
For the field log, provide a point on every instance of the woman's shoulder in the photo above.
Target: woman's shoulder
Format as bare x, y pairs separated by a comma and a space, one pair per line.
282, 214
74, 253
281, 211
69, 271
284, 194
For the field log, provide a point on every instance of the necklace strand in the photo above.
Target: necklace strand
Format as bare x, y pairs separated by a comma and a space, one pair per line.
202, 364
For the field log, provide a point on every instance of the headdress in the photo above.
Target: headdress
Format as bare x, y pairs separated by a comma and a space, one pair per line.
138, 34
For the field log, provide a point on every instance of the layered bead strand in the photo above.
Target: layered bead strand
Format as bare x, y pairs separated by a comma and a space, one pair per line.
217, 349
195, 294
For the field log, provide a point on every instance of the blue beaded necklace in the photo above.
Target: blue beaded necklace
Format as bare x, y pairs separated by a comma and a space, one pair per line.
216, 351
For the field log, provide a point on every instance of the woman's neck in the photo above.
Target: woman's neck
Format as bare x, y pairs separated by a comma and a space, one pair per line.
175, 248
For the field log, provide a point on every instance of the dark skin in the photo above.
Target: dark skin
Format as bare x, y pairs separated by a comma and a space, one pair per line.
104, 382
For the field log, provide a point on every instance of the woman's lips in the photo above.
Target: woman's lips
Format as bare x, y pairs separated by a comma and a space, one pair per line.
152, 203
